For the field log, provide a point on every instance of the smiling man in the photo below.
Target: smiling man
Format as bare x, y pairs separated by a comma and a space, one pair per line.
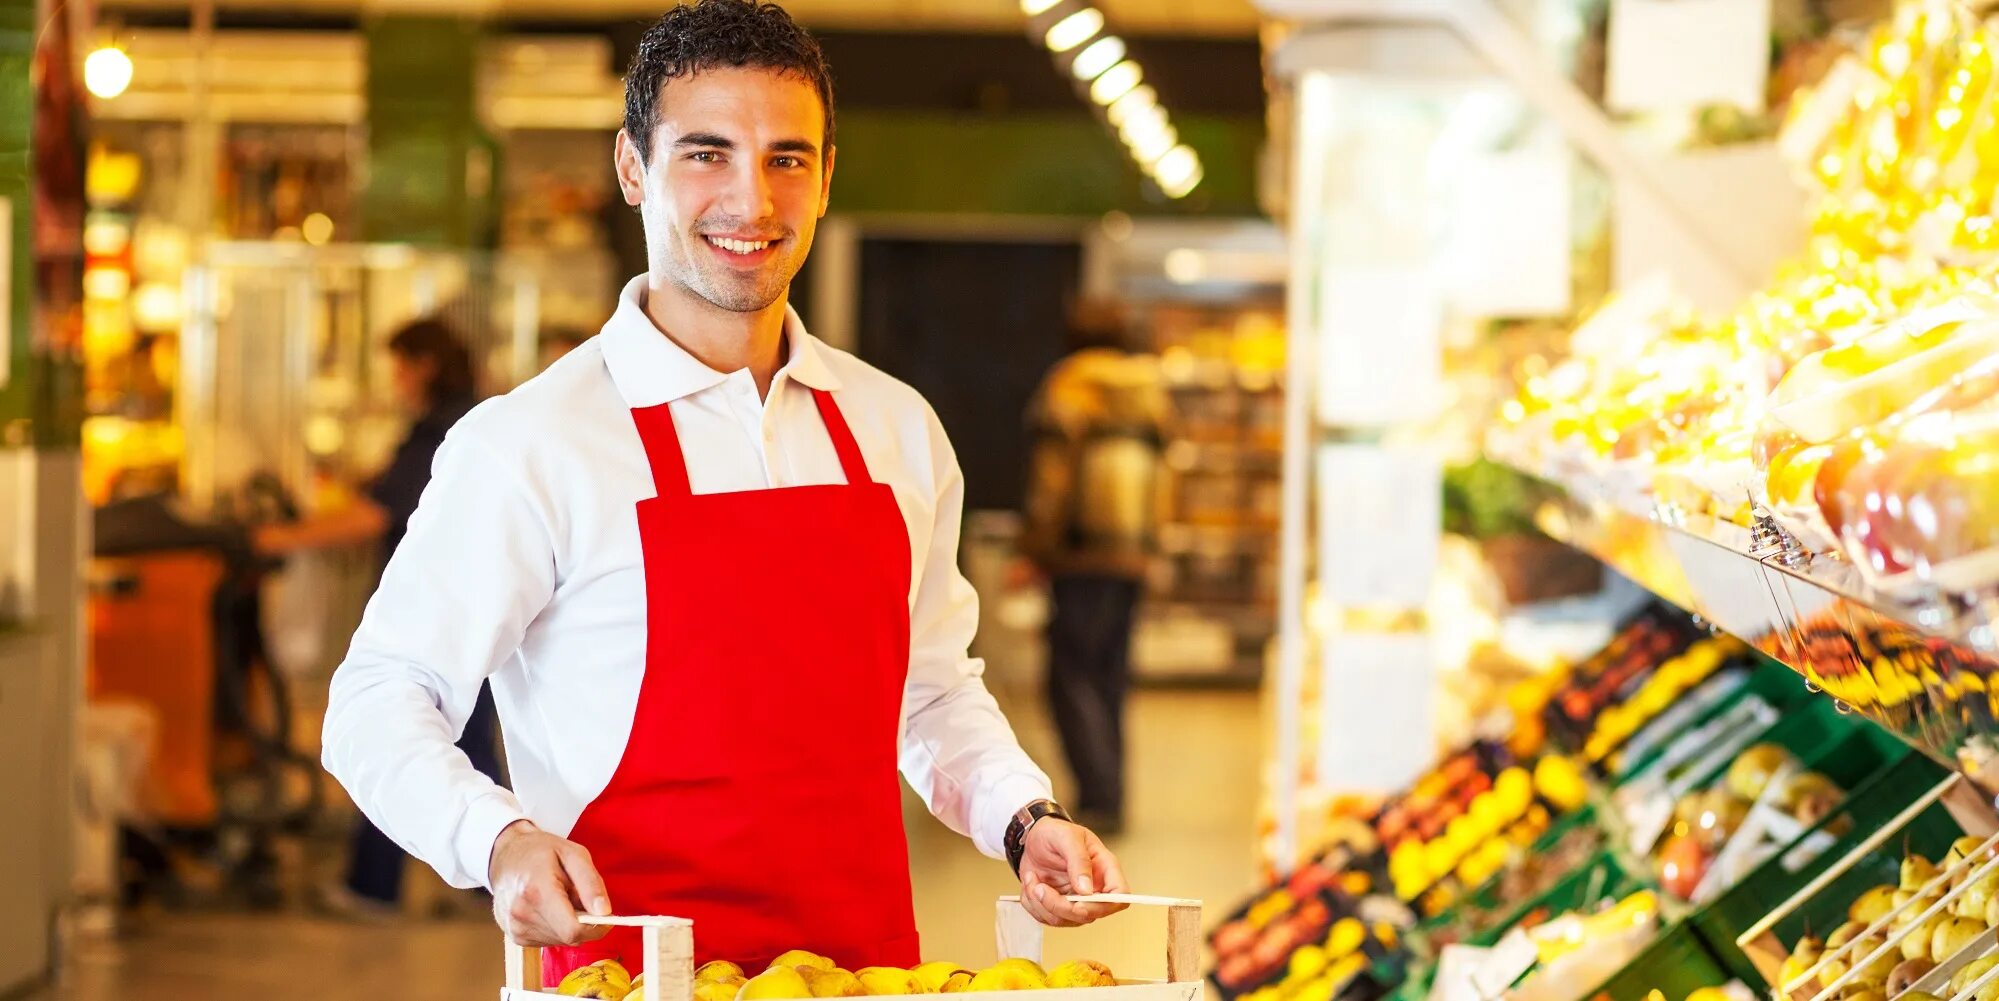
709, 566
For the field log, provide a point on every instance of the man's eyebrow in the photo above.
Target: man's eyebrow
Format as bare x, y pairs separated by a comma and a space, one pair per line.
705, 139
795, 146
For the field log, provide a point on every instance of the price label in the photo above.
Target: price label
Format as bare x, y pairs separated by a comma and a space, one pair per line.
1509, 961
1648, 811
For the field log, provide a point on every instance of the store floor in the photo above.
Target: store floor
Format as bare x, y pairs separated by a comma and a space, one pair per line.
1189, 833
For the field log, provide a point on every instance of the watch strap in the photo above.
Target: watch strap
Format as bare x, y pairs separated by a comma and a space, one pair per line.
1023, 820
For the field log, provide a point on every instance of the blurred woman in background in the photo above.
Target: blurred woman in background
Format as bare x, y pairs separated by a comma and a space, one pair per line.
432, 373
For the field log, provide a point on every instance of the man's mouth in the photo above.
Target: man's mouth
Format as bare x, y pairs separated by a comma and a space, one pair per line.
743, 247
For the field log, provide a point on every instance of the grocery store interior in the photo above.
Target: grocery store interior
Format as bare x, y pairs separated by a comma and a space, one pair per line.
1551, 449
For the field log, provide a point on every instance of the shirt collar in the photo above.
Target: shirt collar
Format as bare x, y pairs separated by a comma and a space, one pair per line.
650, 369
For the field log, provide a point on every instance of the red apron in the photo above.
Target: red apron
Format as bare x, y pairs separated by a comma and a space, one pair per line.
758, 792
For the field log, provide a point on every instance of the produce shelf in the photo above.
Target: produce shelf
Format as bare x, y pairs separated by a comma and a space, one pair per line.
1919, 667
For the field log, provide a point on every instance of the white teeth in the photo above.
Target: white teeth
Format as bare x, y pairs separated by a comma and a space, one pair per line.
739, 246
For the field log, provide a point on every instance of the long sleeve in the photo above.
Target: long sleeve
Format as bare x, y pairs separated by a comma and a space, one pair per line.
958, 751
475, 568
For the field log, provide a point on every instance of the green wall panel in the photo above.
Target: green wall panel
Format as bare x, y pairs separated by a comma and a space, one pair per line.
422, 131
17, 106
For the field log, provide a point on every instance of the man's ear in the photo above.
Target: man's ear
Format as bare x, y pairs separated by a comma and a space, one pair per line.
631, 169
826, 183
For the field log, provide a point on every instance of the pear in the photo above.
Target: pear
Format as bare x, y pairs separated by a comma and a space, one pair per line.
889, 980
1081, 973
1969, 973
1963, 848
1905, 975
833, 983
1020, 963
1877, 971
799, 957
934, 975
1992, 913
776, 982
1916, 944
717, 971
1004, 977
1971, 900
1843, 934
1803, 957
712, 990
1917, 871
1952, 936
1875, 904
606, 979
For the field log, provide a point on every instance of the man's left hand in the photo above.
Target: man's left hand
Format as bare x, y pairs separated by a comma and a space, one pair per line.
1060, 859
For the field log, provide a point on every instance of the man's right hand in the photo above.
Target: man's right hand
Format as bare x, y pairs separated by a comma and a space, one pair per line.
539, 883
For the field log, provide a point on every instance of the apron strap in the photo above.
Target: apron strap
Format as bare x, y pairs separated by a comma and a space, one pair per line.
669, 464
663, 454
851, 461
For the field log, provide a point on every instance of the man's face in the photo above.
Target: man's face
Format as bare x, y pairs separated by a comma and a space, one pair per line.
733, 184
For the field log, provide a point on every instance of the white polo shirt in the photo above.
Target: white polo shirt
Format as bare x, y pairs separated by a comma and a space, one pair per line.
522, 565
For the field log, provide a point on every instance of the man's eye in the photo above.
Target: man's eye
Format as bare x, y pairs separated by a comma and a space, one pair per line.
706, 156
789, 161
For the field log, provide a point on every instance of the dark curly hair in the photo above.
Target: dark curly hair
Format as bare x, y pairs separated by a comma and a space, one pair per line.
710, 33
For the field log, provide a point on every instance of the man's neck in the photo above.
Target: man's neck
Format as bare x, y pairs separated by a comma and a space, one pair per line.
723, 340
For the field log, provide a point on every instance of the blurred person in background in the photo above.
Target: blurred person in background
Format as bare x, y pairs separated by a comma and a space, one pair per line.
431, 371
1093, 505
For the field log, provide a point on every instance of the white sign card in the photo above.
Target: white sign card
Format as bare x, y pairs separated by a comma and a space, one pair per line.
1381, 513
1671, 55
1508, 248
1380, 356
1376, 730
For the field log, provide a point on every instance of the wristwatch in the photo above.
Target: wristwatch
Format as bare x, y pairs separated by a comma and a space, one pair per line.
1023, 820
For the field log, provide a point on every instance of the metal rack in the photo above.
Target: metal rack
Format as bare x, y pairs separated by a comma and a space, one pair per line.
1916, 667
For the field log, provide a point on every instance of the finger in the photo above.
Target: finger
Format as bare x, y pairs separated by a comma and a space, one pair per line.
591, 896
1069, 913
1034, 895
555, 909
1074, 847
1109, 872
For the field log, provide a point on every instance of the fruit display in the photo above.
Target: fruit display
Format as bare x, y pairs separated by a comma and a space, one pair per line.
1924, 920
1283, 947
801, 975
1730, 992
1512, 897
1704, 821
1440, 796
1892, 672
1617, 724
1852, 396
1575, 952
1603, 679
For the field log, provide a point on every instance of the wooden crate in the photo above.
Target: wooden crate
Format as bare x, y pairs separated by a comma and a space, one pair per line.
667, 944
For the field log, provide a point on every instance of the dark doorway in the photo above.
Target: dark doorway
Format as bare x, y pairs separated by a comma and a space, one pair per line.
973, 326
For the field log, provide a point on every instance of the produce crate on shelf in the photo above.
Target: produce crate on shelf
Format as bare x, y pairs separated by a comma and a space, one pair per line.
1937, 912
1676, 964
1757, 677
1255, 952
1603, 878
1861, 820
668, 954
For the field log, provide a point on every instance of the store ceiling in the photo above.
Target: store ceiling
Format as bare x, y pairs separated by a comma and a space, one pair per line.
1177, 17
